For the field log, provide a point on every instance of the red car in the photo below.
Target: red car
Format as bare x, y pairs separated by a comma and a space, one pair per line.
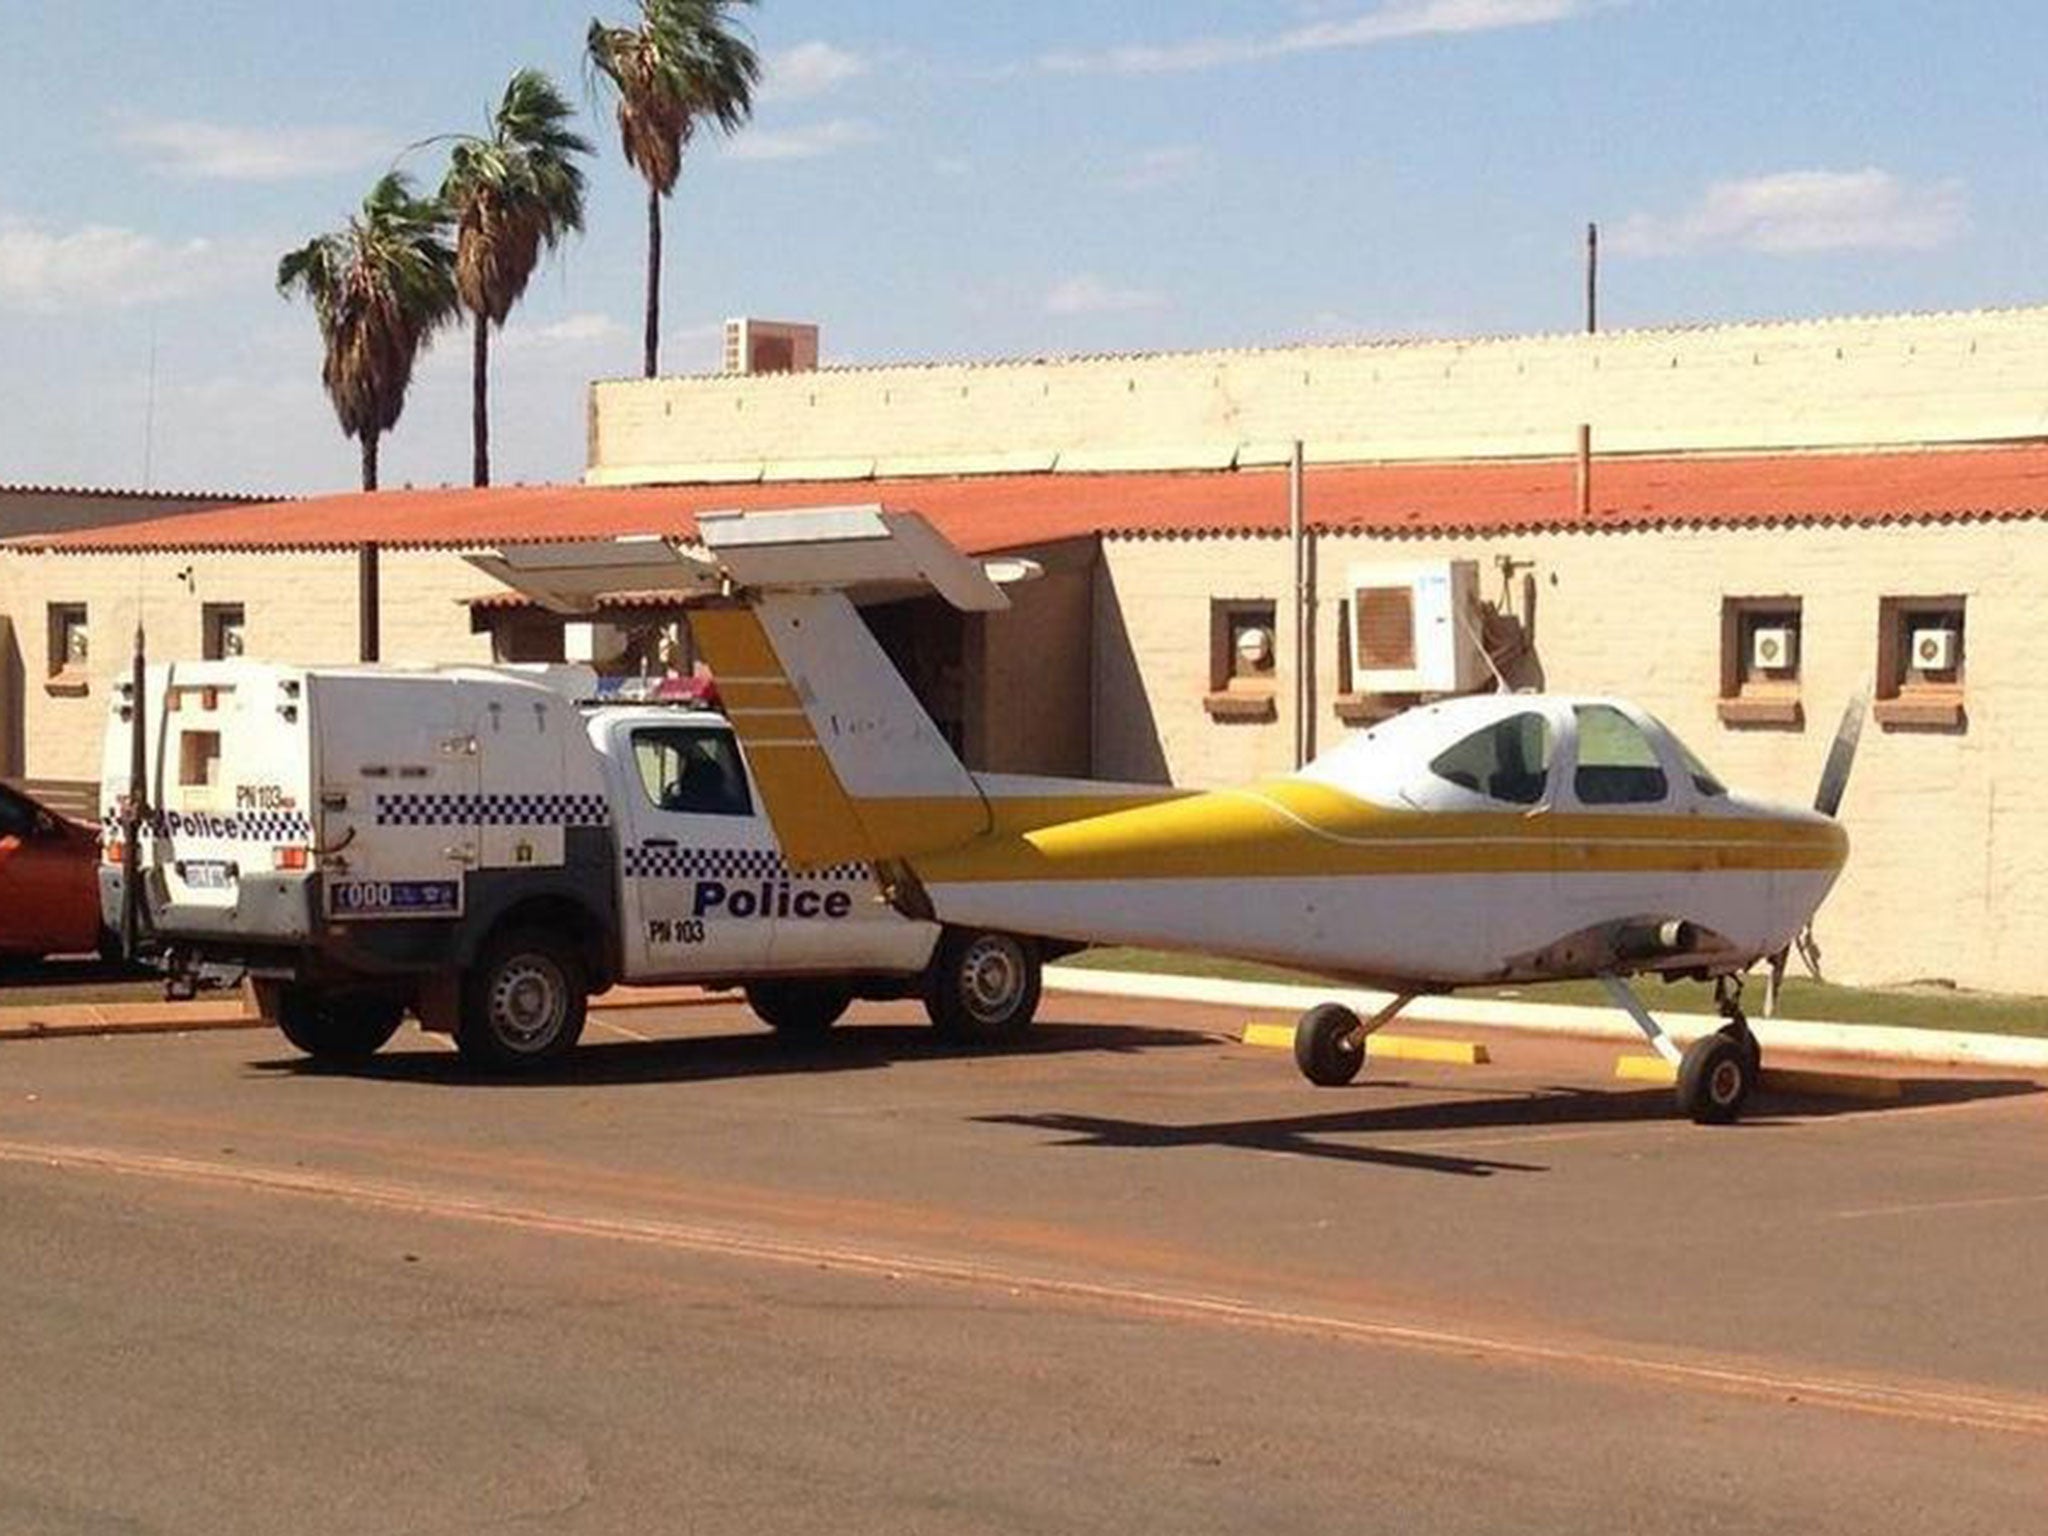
49, 881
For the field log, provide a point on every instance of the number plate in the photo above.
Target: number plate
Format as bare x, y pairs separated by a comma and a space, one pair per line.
356, 899
207, 874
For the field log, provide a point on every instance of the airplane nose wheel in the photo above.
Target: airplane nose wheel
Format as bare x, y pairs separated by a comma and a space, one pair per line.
1719, 1071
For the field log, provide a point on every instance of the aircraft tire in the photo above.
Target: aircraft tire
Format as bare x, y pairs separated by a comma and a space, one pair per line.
798, 1010
1751, 1047
1327, 1047
336, 1029
1715, 1079
982, 986
523, 1001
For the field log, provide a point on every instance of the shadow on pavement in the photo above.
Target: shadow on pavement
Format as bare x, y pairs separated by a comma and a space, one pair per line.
703, 1058
1508, 1109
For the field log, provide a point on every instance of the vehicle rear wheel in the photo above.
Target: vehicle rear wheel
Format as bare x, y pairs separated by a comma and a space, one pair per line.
798, 1010
337, 1028
982, 985
523, 1001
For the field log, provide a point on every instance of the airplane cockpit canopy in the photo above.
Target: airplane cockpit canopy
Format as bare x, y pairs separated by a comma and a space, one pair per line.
1521, 751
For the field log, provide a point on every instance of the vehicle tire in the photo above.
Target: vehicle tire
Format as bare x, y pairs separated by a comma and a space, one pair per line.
523, 1001
337, 1028
798, 1010
982, 985
1714, 1080
1327, 1046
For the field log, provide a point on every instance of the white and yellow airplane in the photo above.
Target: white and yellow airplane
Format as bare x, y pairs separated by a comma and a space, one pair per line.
1475, 841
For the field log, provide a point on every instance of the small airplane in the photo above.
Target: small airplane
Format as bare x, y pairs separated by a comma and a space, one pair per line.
1480, 840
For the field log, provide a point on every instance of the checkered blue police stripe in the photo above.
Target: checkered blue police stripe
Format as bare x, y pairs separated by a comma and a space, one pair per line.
658, 863
229, 826
507, 810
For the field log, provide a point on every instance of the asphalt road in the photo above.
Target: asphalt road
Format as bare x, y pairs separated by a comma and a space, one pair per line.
1134, 1278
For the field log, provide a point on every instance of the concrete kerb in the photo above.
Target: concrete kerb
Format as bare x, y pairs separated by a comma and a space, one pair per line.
1867, 1042
229, 1010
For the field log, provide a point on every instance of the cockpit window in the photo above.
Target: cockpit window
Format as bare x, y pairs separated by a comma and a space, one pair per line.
1617, 763
1703, 778
1508, 760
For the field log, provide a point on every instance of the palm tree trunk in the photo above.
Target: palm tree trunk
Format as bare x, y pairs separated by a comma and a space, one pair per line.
366, 601
366, 564
480, 403
653, 280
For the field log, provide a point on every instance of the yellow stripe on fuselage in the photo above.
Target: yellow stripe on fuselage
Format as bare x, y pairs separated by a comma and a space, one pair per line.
1298, 828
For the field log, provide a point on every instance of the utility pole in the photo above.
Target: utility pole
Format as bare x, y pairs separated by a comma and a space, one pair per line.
1592, 279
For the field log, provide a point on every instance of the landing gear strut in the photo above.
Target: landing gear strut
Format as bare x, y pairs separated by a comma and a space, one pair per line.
1717, 1072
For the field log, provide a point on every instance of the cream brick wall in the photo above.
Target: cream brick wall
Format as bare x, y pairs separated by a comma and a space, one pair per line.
1949, 831
1973, 377
298, 606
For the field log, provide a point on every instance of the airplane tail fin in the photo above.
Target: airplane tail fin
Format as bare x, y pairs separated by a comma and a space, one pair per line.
867, 778
849, 764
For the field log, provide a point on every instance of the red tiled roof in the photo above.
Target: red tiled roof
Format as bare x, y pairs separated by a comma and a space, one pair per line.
984, 514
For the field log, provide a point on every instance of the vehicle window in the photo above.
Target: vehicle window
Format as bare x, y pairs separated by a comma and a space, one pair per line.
1617, 763
1508, 760
693, 770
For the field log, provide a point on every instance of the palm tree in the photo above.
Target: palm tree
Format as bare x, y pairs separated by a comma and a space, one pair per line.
510, 193
380, 289
683, 64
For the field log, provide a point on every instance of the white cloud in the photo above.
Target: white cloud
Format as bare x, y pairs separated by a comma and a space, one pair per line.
809, 69
217, 152
1391, 22
1153, 168
578, 330
100, 266
810, 142
1799, 211
1087, 294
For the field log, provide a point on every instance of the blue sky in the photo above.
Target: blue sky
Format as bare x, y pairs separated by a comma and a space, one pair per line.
935, 180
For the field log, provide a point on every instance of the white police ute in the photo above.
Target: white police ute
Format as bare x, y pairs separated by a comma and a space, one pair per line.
485, 848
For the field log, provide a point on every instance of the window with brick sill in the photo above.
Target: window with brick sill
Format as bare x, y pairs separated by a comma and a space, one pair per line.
1241, 660
70, 651
1760, 663
1921, 660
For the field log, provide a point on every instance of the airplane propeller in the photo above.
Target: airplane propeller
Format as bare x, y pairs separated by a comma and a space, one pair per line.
1834, 783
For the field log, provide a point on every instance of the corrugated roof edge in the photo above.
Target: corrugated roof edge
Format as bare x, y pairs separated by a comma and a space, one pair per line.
1391, 343
109, 493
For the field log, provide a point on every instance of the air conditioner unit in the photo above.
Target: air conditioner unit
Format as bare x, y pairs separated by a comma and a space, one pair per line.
1773, 648
1933, 650
770, 346
1415, 628
592, 644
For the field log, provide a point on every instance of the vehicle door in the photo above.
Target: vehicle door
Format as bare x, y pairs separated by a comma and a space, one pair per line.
702, 877
398, 795
46, 878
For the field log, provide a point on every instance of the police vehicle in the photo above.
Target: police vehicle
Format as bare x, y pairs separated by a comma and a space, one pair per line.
486, 847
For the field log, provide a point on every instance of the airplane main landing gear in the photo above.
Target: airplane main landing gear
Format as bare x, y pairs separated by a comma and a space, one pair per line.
1329, 1042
